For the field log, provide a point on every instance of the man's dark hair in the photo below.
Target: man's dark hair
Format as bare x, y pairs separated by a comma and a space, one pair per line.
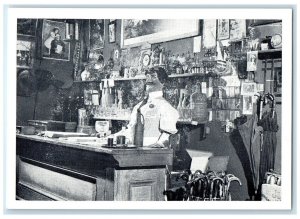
161, 73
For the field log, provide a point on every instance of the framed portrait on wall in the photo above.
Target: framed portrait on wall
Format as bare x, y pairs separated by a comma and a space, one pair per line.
54, 45
112, 32
252, 59
248, 88
96, 34
237, 28
135, 32
209, 33
223, 29
26, 27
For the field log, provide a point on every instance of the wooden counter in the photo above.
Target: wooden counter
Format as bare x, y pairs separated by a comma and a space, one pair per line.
51, 169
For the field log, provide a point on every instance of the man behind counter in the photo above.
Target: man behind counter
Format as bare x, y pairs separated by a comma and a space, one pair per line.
158, 117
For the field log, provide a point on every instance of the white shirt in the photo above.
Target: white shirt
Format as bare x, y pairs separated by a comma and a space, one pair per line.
160, 118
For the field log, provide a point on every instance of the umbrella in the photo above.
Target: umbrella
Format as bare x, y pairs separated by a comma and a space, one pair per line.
251, 134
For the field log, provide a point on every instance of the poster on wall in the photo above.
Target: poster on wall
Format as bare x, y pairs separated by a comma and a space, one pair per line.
135, 32
26, 27
237, 29
248, 88
223, 29
252, 58
96, 34
247, 105
112, 32
209, 33
53, 44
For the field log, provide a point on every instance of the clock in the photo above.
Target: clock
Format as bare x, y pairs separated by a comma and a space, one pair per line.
276, 41
146, 60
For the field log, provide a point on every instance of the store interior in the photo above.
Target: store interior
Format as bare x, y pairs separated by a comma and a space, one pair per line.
79, 75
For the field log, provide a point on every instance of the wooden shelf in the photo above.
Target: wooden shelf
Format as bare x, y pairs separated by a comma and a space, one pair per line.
192, 75
270, 54
113, 118
24, 67
259, 51
143, 77
87, 81
25, 37
187, 122
270, 51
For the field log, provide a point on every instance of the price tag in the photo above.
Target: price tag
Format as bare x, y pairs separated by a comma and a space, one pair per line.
194, 123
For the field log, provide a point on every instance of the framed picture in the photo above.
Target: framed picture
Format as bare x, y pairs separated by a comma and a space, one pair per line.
248, 89
247, 105
112, 32
237, 29
262, 22
24, 53
223, 29
278, 84
26, 27
96, 34
53, 44
252, 58
136, 32
209, 33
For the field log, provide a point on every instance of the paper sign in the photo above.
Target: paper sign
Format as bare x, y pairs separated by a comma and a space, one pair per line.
197, 44
252, 60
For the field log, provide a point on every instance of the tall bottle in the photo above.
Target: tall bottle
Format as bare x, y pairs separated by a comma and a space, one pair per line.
139, 126
139, 130
198, 104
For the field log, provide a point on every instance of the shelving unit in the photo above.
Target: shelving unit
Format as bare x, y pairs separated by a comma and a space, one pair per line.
186, 122
186, 75
263, 54
87, 81
192, 75
112, 118
115, 79
142, 77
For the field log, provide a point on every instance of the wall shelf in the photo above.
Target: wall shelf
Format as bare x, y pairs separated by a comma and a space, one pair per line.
188, 122
263, 54
88, 81
112, 118
192, 75
24, 67
270, 54
142, 77
184, 122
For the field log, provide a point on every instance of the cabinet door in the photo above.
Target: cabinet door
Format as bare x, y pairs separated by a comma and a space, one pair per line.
139, 185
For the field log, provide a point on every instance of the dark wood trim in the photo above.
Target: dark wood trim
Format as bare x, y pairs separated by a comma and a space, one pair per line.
61, 170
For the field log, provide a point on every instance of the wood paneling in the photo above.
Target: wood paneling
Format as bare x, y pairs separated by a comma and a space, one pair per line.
139, 184
58, 184
50, 169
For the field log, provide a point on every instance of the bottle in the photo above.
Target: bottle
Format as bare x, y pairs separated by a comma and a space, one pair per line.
139, 126
139, 130
198, 104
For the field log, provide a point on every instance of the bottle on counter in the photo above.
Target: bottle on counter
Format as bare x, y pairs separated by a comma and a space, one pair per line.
139, 126
139, 130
